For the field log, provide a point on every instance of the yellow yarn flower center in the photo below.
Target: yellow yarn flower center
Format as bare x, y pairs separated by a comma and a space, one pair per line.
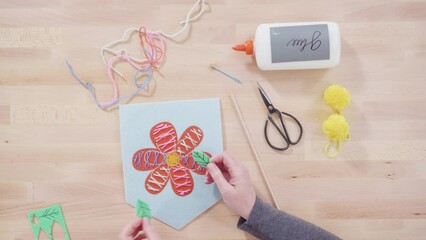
173, 159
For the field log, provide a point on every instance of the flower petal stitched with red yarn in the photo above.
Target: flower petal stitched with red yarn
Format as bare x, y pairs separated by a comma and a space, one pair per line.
189, 140
157, 180
147, 159
189, 162
181, 180
163, 136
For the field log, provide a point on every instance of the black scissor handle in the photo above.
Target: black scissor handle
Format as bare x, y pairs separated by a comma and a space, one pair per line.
284, 134
298, 124
270, 144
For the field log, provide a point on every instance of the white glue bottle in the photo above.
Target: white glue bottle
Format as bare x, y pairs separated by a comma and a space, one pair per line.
302, 45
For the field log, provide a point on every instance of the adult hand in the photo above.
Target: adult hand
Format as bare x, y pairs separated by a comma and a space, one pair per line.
139, 229
234, 183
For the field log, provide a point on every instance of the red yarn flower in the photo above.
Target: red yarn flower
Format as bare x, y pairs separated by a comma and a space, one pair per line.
171, 159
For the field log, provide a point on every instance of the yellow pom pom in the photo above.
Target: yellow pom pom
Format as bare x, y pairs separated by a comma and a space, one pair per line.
337, 97
336, 128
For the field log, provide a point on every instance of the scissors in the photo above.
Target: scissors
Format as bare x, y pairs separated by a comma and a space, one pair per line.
282, 130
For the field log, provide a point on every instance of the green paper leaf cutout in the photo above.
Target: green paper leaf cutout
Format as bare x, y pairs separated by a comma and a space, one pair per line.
142, 209
43, 220
201, 158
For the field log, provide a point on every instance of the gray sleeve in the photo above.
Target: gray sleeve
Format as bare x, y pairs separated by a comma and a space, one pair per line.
268, 223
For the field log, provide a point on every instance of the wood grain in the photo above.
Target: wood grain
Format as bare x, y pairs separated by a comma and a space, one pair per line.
56, 146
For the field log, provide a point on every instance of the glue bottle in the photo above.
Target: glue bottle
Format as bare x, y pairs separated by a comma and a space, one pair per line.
302, 45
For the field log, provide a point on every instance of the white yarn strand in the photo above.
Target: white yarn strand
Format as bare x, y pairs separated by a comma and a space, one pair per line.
188, 19
128, 33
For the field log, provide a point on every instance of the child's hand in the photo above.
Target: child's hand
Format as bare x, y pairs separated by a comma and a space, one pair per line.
139, 229
233, 181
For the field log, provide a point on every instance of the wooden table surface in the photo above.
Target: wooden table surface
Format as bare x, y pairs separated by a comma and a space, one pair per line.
57, 146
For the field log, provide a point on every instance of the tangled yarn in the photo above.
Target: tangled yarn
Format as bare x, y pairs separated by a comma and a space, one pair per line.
152, 44
336, 127
153, 49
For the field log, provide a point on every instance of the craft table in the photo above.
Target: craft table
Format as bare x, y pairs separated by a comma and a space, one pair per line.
57, 146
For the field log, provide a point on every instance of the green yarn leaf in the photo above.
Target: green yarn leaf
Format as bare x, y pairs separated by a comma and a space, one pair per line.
142, 209
201, 158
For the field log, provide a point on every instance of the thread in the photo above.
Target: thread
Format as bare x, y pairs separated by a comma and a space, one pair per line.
89, 86
153, 48
188, 19
159, 34
154, 55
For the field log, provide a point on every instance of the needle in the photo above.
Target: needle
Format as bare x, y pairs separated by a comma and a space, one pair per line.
226, 74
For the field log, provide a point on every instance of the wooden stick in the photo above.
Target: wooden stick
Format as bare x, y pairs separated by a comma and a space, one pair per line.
253, 149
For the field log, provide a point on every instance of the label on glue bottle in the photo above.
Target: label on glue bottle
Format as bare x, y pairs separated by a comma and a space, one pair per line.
283, 46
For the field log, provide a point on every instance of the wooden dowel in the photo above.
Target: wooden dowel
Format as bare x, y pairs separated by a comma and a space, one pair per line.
253, 149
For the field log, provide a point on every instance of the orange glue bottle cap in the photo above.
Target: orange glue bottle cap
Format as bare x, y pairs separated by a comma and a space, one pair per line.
246, 47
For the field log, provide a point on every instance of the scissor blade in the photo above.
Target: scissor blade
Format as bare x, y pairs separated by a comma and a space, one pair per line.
265, 97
